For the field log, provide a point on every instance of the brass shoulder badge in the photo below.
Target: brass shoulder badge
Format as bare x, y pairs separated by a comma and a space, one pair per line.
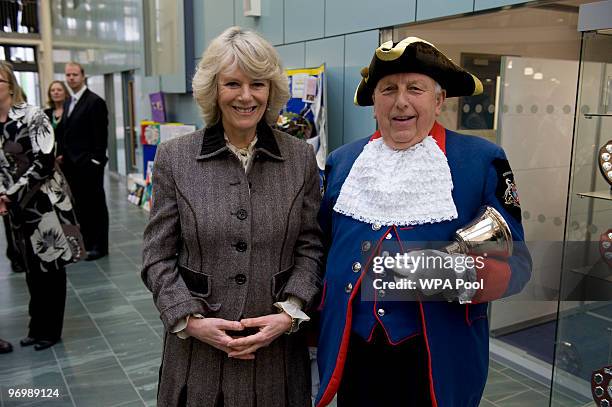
506, 191
511, 194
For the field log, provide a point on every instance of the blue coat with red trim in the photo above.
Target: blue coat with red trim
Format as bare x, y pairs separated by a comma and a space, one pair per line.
456, 336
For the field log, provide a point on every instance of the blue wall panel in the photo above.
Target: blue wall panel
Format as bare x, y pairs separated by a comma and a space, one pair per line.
427, 9
177, 81
331, 52
343, 17
304, 20
293, 55
359, 48
485, 4
271, 22
144, 85
198, 27
216, 17
184, 109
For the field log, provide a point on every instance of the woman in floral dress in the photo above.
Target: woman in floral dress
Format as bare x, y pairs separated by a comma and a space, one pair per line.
35, 197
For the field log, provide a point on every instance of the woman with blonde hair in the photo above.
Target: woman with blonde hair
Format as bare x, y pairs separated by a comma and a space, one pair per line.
57, 95
34, 196
232, 251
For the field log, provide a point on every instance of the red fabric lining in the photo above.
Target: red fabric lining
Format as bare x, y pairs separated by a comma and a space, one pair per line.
496, 277
320, 307
469, 321
432, 390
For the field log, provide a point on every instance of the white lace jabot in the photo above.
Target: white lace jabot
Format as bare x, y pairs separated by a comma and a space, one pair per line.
398, 187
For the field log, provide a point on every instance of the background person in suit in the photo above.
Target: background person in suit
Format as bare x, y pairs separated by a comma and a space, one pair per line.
83, 138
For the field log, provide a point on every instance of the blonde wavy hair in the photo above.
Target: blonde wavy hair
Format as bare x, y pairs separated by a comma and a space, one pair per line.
252, 54
16, 92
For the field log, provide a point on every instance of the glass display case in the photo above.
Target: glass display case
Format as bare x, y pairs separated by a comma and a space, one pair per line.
583, 351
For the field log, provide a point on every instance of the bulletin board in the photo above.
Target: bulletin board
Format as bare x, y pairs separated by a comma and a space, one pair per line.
305, 115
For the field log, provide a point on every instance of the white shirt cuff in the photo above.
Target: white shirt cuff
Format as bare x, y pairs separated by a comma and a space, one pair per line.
293, 308
179, 328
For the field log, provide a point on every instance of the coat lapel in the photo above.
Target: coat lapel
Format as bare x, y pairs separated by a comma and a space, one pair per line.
80, 103
213, 142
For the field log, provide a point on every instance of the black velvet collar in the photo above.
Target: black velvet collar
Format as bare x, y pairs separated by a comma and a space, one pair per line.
213, 141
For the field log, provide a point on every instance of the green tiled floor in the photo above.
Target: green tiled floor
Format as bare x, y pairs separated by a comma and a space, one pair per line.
112, 334
111, 346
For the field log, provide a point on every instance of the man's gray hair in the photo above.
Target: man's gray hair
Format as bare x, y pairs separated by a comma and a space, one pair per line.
438, 88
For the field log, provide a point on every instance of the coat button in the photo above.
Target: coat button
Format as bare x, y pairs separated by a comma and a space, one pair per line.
240, 279
381, 293
241, 214
381, 312
356, 267
376, 226
241, 246
365, 246
348, 288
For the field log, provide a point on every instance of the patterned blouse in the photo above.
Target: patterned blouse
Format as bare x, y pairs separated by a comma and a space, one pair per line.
40, 203
26, 151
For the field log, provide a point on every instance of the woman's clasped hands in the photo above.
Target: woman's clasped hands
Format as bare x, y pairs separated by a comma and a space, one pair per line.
221, 333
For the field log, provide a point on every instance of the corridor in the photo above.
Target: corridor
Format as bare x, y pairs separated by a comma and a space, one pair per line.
111, 343
111, 346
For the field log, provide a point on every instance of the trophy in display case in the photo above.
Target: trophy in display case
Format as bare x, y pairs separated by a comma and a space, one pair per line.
605, 247
605, 161
601, 386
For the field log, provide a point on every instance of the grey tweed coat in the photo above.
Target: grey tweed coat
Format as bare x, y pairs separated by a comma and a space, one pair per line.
227, 244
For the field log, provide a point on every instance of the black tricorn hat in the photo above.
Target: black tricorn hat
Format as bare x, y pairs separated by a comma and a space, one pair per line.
413, 54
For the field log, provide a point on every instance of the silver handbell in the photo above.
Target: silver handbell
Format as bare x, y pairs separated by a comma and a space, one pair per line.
487, 234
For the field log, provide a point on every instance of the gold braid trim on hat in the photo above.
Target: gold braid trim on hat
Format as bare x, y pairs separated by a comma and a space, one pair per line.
365, 73
477, 86
387, 52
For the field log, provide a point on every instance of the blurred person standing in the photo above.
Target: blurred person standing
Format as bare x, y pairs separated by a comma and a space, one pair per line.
57, 95
233, 247
82, 142
35, 198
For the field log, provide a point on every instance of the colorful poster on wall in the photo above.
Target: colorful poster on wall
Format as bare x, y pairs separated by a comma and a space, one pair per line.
305, 115
158, 107
149, 132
